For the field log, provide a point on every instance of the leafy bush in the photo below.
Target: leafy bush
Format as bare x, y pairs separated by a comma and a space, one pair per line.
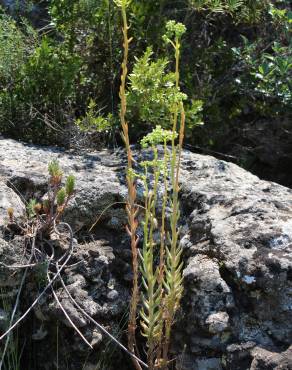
235, 66
151, 90
94, 121
89, 29
14, 50
37, 86
49, 74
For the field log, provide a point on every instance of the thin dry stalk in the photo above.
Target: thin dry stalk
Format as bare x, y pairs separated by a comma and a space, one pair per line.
67, 316
99, 326
48, 286
131, 208
17, 300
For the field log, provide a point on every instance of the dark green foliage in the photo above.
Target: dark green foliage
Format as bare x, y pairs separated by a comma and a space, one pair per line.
49, 74
38, 84
222, 63
13, 51
89, 29
235, 67
43, 91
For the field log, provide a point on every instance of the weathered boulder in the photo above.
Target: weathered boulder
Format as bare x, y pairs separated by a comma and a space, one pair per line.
11, 251
95, 283
25, 168
237, 242
238, 275
265, 360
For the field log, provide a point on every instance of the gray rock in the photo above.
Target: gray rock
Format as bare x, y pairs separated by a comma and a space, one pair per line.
218, 322
266, 360
112, 295
237, 243
11, 254
238, 251
96, 339
238, 356
98, 185
187, 363
9, 199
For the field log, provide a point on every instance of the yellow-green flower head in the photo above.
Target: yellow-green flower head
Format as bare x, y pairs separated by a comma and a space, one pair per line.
122, 3
158, 163
174, 29
157, 136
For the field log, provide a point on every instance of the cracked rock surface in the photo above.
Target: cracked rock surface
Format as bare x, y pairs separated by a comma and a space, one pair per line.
238, 275
236, 312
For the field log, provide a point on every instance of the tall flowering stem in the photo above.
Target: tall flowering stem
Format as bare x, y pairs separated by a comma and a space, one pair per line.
131, 208
173, 270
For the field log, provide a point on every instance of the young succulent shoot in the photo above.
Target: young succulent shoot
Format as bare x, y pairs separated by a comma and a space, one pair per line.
151, 313
31, 208
70, 185
55, 172
57, 198
38, 208
34, 208
61, 197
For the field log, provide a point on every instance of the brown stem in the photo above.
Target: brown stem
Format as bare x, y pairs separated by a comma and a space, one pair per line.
131, 209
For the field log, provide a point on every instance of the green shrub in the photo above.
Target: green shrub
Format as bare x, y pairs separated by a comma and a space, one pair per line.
235, 66
89, 28
14, 50
40, 98
152, 91
266, 71
49, 75
94, 121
